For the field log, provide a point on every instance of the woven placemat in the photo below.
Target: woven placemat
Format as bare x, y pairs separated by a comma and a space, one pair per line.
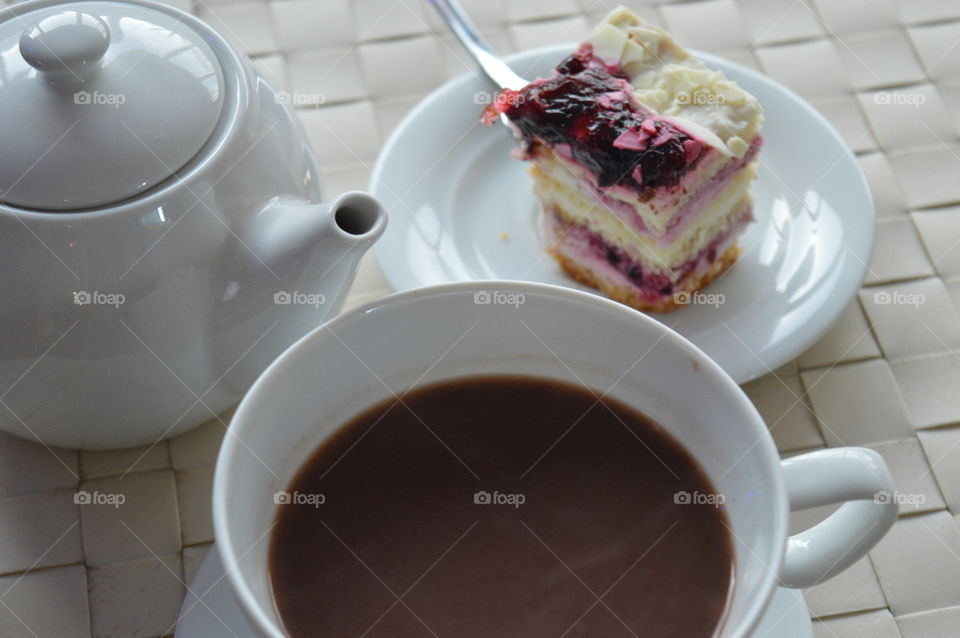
886, 73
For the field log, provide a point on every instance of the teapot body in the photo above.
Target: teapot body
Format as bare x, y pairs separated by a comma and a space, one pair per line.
128, 324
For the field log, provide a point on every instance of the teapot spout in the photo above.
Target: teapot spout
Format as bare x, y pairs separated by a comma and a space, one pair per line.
359, 215
288, 274
288, 231
293, 245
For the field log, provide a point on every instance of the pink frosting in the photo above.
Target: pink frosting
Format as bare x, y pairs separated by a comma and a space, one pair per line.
704, 195
589, 249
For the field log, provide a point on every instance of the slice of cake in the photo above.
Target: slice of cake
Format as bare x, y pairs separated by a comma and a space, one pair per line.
642, 159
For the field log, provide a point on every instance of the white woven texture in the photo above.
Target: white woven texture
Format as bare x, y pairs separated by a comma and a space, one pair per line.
885, 72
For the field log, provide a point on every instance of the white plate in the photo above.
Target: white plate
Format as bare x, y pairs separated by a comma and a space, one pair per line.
452, 190
211, 611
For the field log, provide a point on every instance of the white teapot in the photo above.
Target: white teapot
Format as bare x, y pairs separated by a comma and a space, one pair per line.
160, 224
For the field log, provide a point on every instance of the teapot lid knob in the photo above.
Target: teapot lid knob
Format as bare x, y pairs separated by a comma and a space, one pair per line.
69, 43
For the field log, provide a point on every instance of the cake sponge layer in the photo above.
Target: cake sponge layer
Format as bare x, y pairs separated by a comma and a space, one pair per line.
556, 189
583, 260
627, 294
669, 208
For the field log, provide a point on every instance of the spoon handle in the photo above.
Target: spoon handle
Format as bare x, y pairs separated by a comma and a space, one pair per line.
495, 68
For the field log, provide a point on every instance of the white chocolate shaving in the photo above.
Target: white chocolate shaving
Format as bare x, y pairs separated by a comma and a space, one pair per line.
670, 81
608, 42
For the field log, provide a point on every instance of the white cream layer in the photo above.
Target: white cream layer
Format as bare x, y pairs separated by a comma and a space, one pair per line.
658, 212
553, 185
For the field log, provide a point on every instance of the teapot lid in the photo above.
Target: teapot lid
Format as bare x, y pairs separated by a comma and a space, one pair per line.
100, 101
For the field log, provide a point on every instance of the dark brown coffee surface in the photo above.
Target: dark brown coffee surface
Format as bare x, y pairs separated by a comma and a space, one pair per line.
500, 507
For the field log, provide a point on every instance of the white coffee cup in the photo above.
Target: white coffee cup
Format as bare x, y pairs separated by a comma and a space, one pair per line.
498, 327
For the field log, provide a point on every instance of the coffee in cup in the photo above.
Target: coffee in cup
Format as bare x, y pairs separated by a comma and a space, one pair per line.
501, 506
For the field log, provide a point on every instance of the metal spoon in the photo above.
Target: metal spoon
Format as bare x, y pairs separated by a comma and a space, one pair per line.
462, 27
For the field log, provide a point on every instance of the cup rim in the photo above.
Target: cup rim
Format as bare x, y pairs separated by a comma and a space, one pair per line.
263, 386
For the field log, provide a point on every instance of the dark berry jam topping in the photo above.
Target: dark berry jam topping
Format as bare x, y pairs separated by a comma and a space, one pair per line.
585, 110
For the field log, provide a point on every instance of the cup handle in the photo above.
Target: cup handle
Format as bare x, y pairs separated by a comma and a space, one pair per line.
856, 475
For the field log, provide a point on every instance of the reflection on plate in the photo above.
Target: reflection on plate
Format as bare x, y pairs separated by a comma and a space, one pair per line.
461, 209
